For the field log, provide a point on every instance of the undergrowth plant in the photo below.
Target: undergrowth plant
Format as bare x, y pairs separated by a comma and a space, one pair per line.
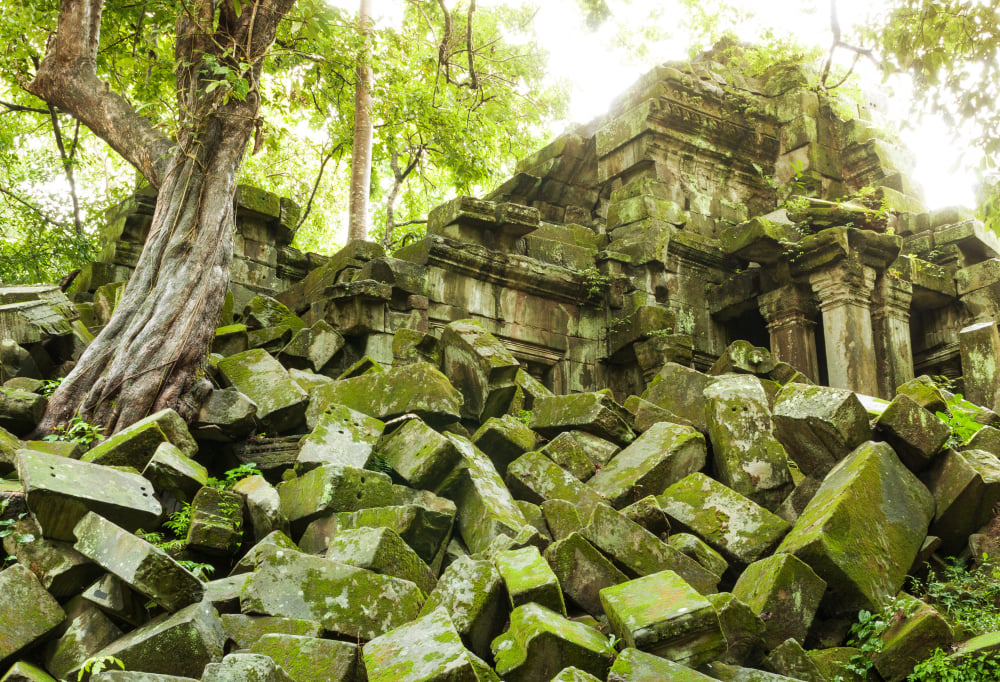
968, 599
78, 431
8, 528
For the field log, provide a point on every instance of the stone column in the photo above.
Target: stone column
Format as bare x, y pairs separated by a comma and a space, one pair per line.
980, 348
845, 293
891, 327
789, 313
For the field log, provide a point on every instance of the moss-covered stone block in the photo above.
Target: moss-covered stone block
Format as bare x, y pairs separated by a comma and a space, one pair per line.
661, 614
381, 550
657, 459
216, 522
965, 486
480, 366
27, 611
536, 478
244, 630
130, 447
747, 456
583, 571
863, 528
633, 665
297, 585
180, 644
680, 390
20, 410
262, 505
785, 590
561, 518
245, 666
924, 392
910, 639
227, 415
819, 425
420, 455
759, 239
595, 413
733, 525
427, 650
699, 550
145, 567
85, 631
540, 643
331, 488
743, 629
529, 578
504, 439
640, 552
565, 451
472, 592
311, 659
418, 388
791, 660
341, 436
61, 569
230, 340
61, 491
171, 471
574, 674
914, 432
281, 403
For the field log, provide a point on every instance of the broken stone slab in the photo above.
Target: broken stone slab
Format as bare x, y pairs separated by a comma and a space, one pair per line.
633, 665
536, 478
529, 578
561, 518
241, 666
540, 643
311, 659
726, 672
143, 566
427, 650
647, 513
341, 436
742, 357
216, 522
862, 530
418, 388
965, 486
263, 311
640, 552
224, 593
410, 345
20, 410
62, 570
115, 598
270, 455
663, 615
130, 676
281, 403
226, 415
27, 611
486, 509
481, 368
595, 413
759, 239
785, 590
792, 661
699, 550
263, 506
420, 455
274, 542
657, 459
331, 488
914, 432
819, 425
297, 585
533, 512
923, 391
565, 451
746, 455
733, 525
646, 414
504, 439
61, 491
574, 674
910, 639
244, 631
230, 340
171, 471
9, 445
180, 644
680, 390
85, 631
22, 671
798, 499
744, 630
134, 445
381, 550
583, 571
312, 348
979, 345
471, 591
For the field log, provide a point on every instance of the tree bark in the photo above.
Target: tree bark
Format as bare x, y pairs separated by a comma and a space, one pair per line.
152, 352
361, 157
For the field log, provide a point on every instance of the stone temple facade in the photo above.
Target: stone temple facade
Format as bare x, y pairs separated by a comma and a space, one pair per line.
703, 208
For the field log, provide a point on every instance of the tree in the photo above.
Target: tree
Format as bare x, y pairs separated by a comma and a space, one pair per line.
151, 353
361, 152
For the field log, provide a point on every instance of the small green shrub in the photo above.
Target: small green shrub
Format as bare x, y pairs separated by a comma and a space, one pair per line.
179, 522
94, 666
234, 476
968, 599
940, 667
78, 431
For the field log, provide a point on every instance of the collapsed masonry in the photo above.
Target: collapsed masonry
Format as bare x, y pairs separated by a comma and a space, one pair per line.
445, 489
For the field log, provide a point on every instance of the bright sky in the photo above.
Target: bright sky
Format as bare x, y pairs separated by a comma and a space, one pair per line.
598, 70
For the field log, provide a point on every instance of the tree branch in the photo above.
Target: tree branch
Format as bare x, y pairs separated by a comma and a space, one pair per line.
473, 80
31, 207
20, 108
67, 164
67, 78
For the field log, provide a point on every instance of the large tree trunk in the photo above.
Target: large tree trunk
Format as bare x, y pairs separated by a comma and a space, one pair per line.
152, 352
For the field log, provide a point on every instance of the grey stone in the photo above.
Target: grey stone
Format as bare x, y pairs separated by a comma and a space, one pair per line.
420, 455
480, 367
20, 410
331, 488
310, 659
529, 579
281, 404
381, 550
27, 611
914, 432
263, 506
85, 631
245, 668
341, 436
583, 571
595, 413
225, 416
536, 478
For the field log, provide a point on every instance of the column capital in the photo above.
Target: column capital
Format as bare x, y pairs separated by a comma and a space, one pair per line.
787, 306
843, 284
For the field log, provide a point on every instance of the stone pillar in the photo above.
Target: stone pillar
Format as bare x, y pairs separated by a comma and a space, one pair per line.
891, 327
844, 292
789, 313
980, 348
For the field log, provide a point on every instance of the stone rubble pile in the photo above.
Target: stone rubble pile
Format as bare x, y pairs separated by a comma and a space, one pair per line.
449, 518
